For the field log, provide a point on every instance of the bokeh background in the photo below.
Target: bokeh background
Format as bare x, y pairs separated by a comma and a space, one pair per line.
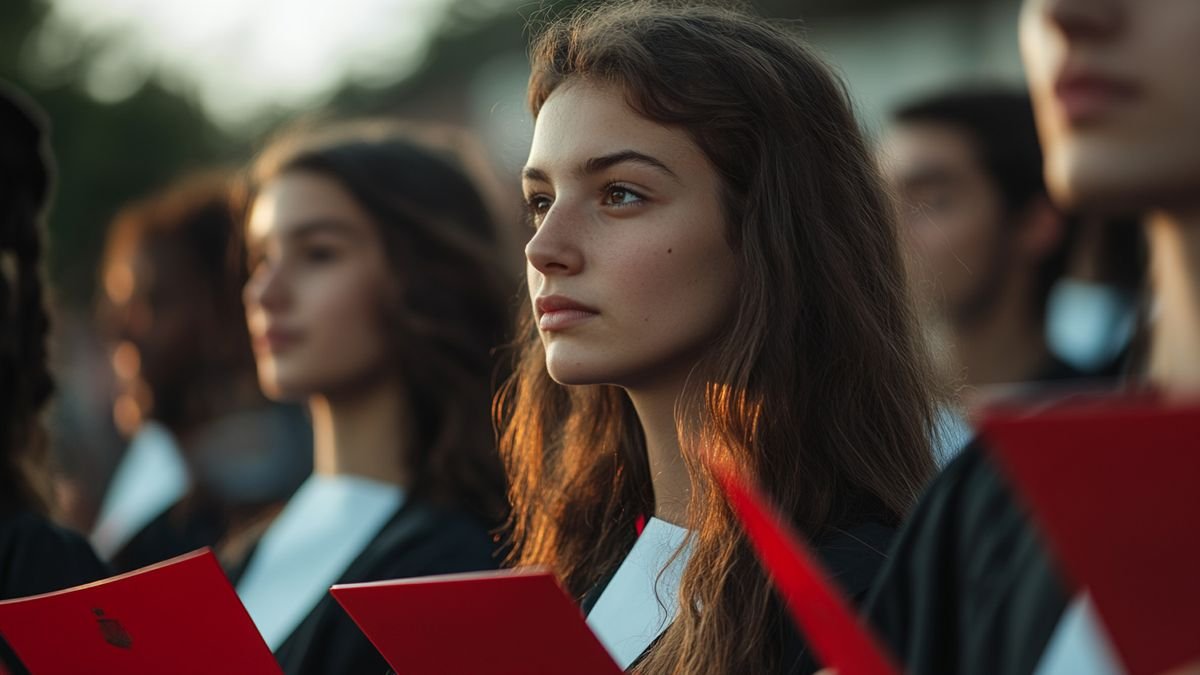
142, 91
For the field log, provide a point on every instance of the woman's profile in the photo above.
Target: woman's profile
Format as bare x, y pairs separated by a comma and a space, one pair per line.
713, 269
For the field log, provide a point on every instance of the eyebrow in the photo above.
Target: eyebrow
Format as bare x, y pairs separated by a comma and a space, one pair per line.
601, 163
929, 176
306, 229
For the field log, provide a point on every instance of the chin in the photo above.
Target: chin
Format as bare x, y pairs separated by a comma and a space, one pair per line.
280, 388
1104, 181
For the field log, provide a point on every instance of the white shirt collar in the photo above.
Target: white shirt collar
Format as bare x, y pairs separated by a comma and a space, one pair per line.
322, 529
642, 598
1080, 644
149, 479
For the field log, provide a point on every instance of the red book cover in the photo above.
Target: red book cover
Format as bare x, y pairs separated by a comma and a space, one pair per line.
180, 616
818, 608
512, 622
1115, 487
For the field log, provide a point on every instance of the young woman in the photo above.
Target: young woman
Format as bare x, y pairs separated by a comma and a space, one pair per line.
373, 298
714, 269
38, 557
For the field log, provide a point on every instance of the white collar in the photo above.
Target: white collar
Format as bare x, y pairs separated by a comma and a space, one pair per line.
642, 598
1080, 644
149, 479
324, 527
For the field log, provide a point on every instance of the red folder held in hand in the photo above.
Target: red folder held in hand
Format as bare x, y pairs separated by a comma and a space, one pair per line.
1115, 487
180, 616
517, 622
820, 611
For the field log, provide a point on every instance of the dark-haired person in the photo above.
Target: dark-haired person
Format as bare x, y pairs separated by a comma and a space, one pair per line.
375, 298
36, 556
985, 243
713, 267
210, 459
970, 587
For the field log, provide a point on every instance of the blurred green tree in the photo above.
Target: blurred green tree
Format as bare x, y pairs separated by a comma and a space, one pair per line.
107, 153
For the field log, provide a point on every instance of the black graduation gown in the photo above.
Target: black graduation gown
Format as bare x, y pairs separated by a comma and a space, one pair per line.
186, 525
419, 540
37, 556
969, 587
852, 555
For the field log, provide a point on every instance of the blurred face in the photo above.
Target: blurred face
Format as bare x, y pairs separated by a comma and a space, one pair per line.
952, 218
628, 269
319, 280
1117, 93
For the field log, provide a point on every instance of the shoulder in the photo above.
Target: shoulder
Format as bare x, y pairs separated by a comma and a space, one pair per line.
853, 555
424, 538
968, 586
38, 556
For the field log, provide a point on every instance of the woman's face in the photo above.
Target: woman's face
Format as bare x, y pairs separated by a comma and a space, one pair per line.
319, 282
629, 270
1117, 95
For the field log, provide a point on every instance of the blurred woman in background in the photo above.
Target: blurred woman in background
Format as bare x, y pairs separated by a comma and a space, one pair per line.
375, 298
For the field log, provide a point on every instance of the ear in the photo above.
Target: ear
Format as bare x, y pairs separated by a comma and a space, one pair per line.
1040, 230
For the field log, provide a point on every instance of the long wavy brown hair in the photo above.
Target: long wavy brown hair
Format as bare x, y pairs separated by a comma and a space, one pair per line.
444, 252
820, 386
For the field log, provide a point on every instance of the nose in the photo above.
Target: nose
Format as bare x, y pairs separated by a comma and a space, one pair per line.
266, 288
554, 248
1083, 19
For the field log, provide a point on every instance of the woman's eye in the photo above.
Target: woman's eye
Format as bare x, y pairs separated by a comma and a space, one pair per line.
319, 254
616, 195
537, 206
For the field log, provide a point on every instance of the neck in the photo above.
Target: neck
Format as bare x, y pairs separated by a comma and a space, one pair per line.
668, 472
1007, 345
1174, 357
362, 434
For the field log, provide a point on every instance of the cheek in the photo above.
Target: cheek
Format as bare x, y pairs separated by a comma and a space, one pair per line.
346, 311
678, 278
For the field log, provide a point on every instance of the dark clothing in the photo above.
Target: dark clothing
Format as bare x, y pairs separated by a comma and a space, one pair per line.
37, 556
420, 540
968, 588
852, 556
187, 525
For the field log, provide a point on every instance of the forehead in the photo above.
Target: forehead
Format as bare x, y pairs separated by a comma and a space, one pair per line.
294, 199
583, 119
918, 145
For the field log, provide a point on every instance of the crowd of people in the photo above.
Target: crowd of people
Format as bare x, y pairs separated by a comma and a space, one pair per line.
329, 372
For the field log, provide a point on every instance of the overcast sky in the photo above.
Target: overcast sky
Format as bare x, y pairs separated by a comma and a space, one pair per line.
242, 57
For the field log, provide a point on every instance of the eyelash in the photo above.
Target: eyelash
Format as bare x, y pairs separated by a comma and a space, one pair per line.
538, 204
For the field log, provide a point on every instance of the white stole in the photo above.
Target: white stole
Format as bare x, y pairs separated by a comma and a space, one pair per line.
642, 598
322, 529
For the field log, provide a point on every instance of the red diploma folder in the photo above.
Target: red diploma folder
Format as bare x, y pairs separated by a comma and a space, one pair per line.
485, 623
180, 616
818, 609
1115, 487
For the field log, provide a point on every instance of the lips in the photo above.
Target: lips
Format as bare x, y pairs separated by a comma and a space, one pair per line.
558, 312
1086, 96
275, 339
